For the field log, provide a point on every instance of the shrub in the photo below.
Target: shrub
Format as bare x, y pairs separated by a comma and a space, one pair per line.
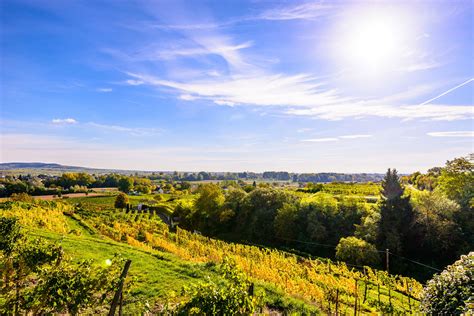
356, 251
235, 297
448, 293
121, 200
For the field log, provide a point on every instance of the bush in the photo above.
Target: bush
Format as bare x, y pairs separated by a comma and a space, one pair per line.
22, 197
121, 200
356, 251
448, 293
236, 297
38, 280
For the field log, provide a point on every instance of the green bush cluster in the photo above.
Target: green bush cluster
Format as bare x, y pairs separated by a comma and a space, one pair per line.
449, 292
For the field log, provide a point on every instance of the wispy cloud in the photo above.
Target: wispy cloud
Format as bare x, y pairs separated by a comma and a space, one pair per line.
355, 136
452, 134
334, 139
304, 130
245, 81
261, 90
105, 90
303, 95
134, 131
187, 97
209, 47
64, 121
133, 82
320, 140
306, 11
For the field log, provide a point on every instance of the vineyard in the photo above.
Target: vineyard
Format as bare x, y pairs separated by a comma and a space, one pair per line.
329, 286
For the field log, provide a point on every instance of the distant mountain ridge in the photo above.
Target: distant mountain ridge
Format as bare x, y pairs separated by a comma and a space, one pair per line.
55, 168
36, 165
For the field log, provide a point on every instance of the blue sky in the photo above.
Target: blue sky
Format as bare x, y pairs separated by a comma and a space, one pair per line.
237, 85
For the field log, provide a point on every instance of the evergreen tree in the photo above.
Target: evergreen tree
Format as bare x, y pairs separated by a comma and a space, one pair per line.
391, 187
396, 215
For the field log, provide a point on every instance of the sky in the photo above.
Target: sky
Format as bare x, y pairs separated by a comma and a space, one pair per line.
310, 86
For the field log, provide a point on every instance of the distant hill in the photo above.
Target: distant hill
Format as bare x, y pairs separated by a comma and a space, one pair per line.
36, 165
36, 168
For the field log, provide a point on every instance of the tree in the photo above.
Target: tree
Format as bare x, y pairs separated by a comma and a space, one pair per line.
449, 292
67, 179
437, 233
125, 184
391, 187
121, 201
457, 181
142, 188
368, 228
208, 206
286, 222
84, 179
396, 215
356, 251
259, 210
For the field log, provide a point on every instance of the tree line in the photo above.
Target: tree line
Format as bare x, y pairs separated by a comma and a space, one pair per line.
432, 226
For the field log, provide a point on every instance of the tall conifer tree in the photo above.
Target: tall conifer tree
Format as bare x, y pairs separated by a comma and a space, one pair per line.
396, 215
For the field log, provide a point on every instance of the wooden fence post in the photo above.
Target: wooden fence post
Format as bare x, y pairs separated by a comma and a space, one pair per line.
409, 294
118, 293
120, 303
390, 295
378, 292
355, 302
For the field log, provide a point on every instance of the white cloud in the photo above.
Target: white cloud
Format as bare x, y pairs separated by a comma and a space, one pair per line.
452, 134
246, 81
223, 102
304, 130
187, 97
362, 109
306, 11
134, 131
333, 139
355, 136
262, 90
209, 46
320, 140
303, 95
64, 121
134, 82
104, 89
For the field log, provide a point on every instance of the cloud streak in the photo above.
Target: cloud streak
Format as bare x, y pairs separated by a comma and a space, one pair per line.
448, 91
64, 121
320, 140
133, 131
303, 95
335, 139
306, 11
452, 134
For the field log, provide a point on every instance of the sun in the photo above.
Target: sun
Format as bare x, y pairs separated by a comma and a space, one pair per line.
374, 40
